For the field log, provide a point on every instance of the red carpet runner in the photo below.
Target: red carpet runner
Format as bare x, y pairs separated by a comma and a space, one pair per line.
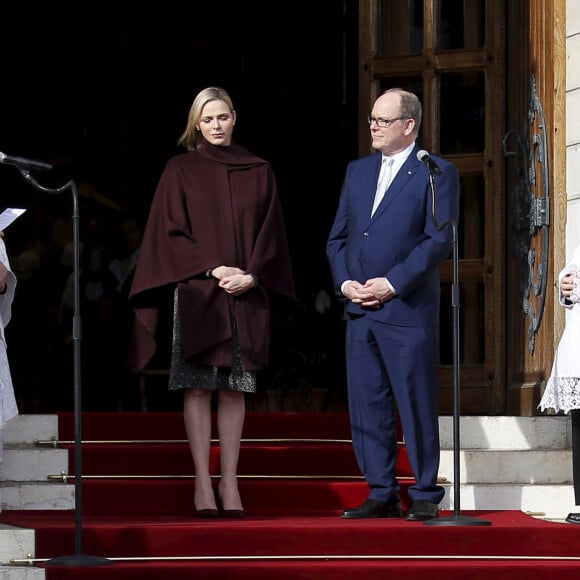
297, 473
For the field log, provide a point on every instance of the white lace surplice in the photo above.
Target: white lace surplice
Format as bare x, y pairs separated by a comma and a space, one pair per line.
562, 391
8, 407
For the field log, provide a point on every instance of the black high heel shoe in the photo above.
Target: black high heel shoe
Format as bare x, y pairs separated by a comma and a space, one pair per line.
233, 514
207, 513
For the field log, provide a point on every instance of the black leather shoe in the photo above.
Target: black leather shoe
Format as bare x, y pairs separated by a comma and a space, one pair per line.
573, 518
373, 508
421, 510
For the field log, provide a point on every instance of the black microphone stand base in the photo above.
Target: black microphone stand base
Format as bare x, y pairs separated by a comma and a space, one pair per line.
457, 520
78, 560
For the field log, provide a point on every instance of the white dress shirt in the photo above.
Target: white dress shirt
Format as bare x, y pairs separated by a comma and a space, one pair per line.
397, 162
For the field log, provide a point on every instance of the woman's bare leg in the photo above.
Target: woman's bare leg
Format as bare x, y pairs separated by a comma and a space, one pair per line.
230, 421
197, 417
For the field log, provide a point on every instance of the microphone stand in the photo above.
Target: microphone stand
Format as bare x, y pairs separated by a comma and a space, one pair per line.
456, 519
78, 558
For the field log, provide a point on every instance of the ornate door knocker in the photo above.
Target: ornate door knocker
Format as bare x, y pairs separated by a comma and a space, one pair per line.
530, 212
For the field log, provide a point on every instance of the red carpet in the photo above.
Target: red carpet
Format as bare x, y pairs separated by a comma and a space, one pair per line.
138, 513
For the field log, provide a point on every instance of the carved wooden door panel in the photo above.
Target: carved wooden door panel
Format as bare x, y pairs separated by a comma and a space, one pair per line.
534, 149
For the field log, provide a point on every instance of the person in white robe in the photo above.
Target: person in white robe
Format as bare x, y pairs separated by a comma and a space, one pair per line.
8, 405
562, 392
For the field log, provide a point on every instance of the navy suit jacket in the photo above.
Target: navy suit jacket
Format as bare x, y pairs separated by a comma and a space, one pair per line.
401, 241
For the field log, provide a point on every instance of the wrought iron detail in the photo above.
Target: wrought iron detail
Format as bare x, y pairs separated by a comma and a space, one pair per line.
530, 215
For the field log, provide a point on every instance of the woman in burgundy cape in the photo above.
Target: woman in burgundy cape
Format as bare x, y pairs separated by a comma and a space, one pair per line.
216, 235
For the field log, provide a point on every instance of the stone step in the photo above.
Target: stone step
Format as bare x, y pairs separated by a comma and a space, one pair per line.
550, 502
40, 495
26, 462
15, 543
490, 433
475, 432
22, 573
544, 466
30, 428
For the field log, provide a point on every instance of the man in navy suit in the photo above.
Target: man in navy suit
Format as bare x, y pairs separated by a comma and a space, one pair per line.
385, 248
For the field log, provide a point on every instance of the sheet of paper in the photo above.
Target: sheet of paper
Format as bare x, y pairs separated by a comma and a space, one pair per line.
9, 215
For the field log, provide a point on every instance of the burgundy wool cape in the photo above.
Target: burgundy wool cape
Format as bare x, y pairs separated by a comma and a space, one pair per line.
213, 206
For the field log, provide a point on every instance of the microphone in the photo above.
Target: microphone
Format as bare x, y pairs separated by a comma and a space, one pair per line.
23, 163
424, 157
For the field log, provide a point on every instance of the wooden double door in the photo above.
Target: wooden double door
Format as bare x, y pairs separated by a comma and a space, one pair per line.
485, 71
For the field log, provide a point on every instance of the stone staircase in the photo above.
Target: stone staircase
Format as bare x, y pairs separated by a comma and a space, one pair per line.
24, 484
505, 463
509, 463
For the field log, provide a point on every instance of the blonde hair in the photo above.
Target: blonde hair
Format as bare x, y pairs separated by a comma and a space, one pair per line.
192, 137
